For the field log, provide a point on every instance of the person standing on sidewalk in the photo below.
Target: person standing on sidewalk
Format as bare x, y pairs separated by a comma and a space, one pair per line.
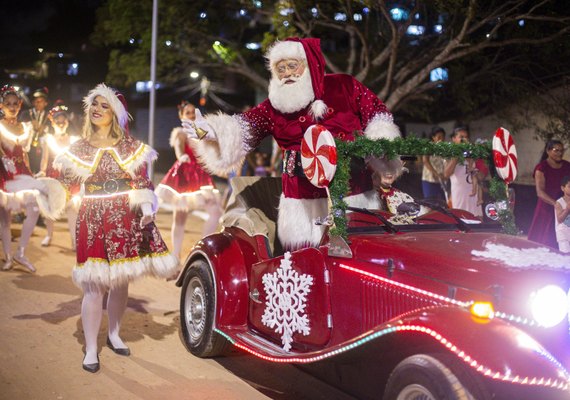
117, 240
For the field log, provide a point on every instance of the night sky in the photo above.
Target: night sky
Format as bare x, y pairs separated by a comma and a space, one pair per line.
55, 25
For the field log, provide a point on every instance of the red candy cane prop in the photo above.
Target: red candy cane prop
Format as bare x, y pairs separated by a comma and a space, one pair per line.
505, 155
318, 155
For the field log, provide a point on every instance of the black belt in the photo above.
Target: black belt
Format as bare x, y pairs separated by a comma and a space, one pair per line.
292, 163
110, 186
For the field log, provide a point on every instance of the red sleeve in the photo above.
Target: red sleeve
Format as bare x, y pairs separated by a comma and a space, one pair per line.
367, 103
258, 124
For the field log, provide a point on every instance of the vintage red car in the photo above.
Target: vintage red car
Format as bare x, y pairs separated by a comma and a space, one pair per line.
444, 308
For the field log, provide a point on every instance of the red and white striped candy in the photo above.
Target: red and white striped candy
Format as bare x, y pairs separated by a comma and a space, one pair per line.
505, 155
318, 155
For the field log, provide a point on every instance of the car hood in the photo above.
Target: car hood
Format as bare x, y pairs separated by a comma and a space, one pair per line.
474, 260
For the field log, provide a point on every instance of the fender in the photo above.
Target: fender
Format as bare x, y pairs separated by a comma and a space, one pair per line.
226, 260
492, 347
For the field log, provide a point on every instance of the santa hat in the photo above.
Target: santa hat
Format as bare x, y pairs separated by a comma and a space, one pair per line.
308, 50
116, 100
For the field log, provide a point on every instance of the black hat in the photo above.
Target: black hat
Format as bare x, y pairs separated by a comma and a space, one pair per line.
41, 92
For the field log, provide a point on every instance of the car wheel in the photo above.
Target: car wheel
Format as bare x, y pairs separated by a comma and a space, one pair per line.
423, 377
197, 310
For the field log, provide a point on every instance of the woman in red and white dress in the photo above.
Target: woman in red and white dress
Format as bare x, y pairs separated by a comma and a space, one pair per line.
187, 186
21, 190
117, 240
53, 144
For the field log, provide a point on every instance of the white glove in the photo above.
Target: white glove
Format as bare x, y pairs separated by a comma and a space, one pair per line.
184, 158
199, 125
9, 165
147, 214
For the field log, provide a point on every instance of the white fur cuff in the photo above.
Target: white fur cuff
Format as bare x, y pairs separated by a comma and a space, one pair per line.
221, 156
139, 196
382, 127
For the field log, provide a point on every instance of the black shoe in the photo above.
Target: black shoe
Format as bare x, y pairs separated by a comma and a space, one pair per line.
122, 352
92, 367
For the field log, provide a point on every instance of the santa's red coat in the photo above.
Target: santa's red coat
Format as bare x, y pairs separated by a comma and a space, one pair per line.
351, 108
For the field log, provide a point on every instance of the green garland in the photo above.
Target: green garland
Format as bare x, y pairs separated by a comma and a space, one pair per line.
362, 147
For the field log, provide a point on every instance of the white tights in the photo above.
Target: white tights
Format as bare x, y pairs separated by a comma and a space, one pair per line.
179, 222
71, 220
32, 214
92, 313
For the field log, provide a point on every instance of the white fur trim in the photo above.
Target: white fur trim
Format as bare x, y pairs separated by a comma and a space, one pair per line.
140, 196
284, 50
318, 109
147, 155
67, 163
103, 274
109, 94
382, 127
227, 153
53, 202
296, 221
369, 199
24, 190
70, 164
170, 199
177, 136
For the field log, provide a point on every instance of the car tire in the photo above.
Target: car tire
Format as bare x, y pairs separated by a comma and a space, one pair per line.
197, 311
425, 377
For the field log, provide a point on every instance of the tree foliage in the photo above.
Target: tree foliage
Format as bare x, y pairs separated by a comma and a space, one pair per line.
494, 50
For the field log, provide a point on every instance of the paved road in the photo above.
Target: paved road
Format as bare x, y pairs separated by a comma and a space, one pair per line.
41, 342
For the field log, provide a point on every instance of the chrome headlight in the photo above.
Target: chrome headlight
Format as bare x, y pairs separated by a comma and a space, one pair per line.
549, 305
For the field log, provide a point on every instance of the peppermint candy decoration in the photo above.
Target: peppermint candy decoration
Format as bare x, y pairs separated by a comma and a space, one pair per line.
505, 155
318, 155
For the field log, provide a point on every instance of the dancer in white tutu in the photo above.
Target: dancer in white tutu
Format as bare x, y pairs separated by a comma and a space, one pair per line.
53, 144
22, 191
187, 186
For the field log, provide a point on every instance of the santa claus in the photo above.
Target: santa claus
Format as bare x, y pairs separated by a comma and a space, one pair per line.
300, 95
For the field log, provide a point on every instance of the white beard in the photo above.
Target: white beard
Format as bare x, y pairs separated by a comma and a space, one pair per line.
292, 97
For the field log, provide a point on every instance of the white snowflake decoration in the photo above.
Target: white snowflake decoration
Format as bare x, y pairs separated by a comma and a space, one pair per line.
287, 293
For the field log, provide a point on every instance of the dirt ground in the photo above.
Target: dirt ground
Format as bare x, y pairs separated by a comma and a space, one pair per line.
41, 341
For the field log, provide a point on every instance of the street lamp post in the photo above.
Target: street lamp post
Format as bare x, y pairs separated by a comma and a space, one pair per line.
152, 99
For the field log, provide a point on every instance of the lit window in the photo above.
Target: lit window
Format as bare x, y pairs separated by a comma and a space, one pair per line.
143, 86
72, 69
399, 14
286, 11
416, 30
340, 17
438, 74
